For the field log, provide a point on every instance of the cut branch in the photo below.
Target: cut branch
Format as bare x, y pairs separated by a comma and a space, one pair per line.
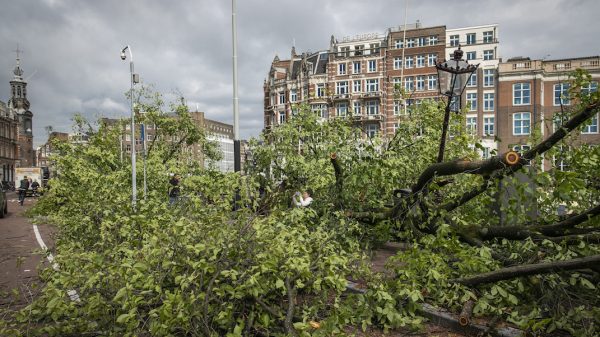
530, 269
465, 315
588, 112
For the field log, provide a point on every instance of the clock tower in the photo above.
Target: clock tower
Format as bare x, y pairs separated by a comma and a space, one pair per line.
20, 106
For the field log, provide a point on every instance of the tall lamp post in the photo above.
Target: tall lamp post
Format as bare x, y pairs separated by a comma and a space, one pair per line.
134, 79
453, 76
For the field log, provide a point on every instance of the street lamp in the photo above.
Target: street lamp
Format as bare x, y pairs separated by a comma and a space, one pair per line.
134, 79
453, 76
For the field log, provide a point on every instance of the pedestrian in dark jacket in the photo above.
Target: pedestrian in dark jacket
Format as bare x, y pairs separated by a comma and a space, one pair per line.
174, 189
23, 187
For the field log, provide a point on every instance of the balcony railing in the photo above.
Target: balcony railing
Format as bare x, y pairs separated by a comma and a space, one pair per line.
521, 65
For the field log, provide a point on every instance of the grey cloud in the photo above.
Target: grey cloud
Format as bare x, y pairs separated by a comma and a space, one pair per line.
72, 46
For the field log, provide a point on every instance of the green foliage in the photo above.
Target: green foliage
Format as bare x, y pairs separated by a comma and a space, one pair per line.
200, 268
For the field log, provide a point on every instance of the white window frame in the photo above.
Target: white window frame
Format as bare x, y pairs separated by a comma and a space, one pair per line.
523, 123
410, 43
432, 82
341, 68
398, 44
522, 93
488, 101
372, 66
341, 87
356, 67
471, 126
372, 107
488, 36
356, 86
472, 82
397, 63
471, 38
420, 83
488, 54
409, 83
293, 95
420, 60
472, 100
433, 40
320, 90
282, 98
454, 40
408, 62
489, 125
356, 106
431, 60
591, 127
371, 130
372, 84
281, 116
341, 109
488, 77
564, 91
471, 55
398, 107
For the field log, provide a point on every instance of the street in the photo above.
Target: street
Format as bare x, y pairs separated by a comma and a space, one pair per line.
20, 254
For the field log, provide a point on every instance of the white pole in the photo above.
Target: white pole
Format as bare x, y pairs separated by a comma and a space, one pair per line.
403, 47
236, 113
133, 154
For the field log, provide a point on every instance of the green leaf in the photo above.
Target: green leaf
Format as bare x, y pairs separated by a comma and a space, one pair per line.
122, 318
279, 283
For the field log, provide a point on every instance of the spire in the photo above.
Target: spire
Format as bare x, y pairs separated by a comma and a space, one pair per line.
18, 71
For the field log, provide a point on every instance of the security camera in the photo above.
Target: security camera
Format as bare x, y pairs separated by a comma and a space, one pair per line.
123, 56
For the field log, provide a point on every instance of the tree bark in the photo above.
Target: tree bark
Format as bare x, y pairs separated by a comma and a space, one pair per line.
529, 269
465, 315
460, 166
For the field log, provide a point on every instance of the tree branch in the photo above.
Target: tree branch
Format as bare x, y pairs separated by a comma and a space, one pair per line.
569, 223
588, 112
463, 166
529, 269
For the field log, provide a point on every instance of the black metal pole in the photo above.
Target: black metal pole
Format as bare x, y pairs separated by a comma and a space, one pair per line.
440, 157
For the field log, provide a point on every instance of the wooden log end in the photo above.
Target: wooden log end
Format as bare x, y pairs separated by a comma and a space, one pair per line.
512, 158
333, 155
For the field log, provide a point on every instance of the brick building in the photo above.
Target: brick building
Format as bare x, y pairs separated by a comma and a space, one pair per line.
8, 143
532, 94
480, 46
373, 78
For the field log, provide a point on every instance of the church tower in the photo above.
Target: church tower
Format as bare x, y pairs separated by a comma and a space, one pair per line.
19, 104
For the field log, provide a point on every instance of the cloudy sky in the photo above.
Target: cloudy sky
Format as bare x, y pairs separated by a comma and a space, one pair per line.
71, 47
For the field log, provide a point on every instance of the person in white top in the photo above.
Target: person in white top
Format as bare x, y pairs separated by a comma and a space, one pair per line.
302, 200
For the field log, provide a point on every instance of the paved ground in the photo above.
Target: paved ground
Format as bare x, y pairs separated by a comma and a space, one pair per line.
20, 254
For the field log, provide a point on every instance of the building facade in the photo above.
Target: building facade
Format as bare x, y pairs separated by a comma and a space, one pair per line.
45, 151
219, 132
222, 134
8, 143
376, 79
480, 46
533, 95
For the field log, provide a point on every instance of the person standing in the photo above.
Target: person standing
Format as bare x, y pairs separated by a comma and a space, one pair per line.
23, 187
302, 200
174, 189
